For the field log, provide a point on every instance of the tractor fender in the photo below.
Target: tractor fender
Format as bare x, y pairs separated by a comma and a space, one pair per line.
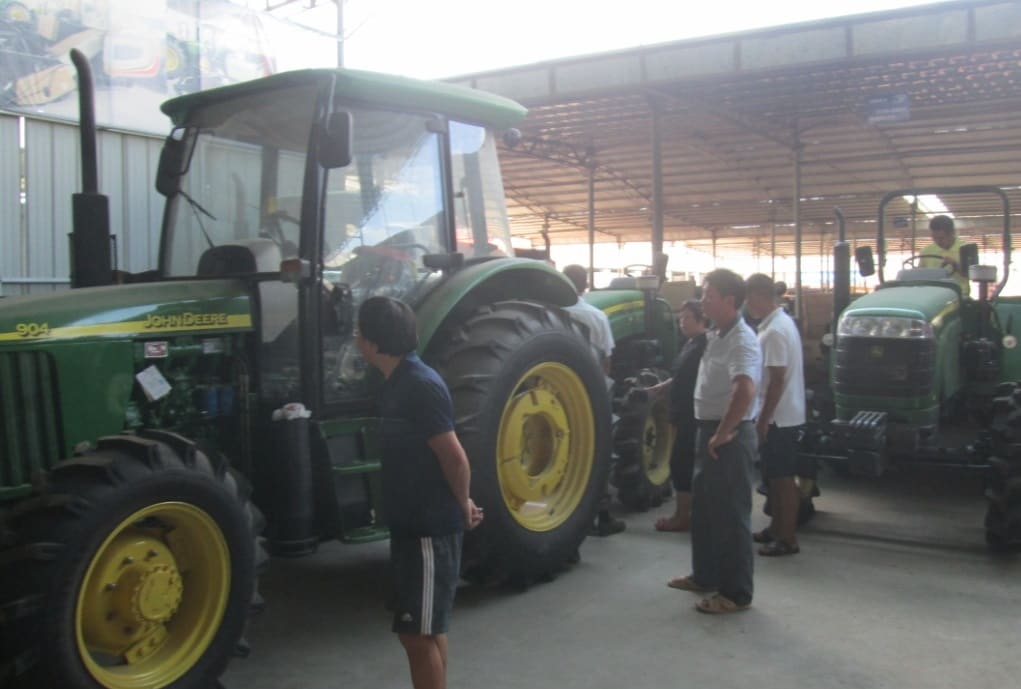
486, 282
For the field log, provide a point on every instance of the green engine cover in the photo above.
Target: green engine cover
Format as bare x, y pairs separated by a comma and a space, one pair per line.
67, 361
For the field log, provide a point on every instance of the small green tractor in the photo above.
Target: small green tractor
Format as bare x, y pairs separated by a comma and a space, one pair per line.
920, 373
156, 434
647, 339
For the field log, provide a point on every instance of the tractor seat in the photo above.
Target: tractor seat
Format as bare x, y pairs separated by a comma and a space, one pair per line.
623, 283
243, 257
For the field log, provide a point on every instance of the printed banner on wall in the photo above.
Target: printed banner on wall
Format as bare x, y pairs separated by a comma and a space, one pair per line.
142, 53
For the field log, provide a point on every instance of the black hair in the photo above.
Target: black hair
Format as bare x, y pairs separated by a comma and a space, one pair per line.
578, 276
761, 284
694, 306
942, 223
727, 283
389, 324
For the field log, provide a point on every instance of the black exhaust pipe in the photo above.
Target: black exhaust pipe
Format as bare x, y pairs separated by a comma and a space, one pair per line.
91, 263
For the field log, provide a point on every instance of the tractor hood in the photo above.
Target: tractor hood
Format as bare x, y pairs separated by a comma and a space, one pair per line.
119, 311
925, 301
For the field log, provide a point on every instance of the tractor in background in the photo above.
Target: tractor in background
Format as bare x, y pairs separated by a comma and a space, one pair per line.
156, 434
922, 374
647, 339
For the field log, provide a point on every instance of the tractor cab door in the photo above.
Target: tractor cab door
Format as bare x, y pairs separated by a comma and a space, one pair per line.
382, 213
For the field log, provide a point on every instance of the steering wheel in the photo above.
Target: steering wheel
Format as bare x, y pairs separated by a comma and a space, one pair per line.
271, 229
385, 249
911, 261
637, 270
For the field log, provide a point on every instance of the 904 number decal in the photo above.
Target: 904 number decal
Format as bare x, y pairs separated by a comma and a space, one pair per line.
33, 329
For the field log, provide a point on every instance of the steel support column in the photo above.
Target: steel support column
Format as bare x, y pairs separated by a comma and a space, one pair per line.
340, 32
799, 307
657, 184
591, 225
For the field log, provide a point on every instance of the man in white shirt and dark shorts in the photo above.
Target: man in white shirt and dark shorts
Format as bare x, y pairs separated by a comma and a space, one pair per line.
781, 416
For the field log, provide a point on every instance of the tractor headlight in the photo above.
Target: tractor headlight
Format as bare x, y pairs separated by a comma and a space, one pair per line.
884, 326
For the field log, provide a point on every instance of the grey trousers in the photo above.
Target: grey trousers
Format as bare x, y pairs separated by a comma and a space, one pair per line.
721, 511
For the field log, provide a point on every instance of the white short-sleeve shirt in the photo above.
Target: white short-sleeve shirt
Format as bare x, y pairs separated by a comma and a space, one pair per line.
781, 346
734, 354
599, 332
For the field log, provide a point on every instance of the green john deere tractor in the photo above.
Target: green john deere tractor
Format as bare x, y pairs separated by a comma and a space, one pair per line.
646, 340
147, 427
919, 371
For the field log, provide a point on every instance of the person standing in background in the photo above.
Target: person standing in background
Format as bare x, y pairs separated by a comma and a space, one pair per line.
681, 387
781, 416
601, 342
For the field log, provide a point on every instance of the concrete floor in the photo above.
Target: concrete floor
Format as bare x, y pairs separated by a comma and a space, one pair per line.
893, 588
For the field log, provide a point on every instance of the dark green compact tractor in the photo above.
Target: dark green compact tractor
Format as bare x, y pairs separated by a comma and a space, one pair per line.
147, 427
919, 371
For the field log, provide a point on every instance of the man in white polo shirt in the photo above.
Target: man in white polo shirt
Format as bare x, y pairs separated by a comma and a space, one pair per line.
781, 416
726, 447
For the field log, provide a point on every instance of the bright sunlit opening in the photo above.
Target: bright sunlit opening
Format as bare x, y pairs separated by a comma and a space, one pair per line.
929, 204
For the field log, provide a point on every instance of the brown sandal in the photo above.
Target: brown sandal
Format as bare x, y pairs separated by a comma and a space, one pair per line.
689, 584
779, 549
668, 524
719, 605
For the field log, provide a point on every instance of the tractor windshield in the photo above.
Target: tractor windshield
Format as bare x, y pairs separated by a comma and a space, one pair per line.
248, 152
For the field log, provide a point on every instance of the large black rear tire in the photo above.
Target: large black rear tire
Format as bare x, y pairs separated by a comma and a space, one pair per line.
642, 439
134, 569
1003, 482
533, 414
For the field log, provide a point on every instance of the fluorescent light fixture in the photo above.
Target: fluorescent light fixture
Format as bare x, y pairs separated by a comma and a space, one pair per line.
930, 204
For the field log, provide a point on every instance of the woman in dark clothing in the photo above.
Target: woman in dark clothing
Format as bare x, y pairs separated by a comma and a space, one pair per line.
681, 387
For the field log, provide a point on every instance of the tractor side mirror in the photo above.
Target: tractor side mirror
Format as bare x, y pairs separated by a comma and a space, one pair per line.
866, 264
968, 256
335, 145
174, 161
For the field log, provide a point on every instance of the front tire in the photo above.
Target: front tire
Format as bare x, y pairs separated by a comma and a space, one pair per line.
1003, 482
642, 440
533, 415
134, 570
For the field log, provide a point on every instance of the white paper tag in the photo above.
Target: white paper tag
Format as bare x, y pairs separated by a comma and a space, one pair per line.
153, 383
212, 346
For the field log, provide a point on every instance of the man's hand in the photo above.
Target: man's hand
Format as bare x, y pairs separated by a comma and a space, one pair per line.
472, 515
762, 428
952, 264
719, 439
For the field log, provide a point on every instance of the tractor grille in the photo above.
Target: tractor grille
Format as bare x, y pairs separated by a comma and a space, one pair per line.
883, 367
29, 424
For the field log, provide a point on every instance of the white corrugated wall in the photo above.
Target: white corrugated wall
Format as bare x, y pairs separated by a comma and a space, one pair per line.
33, 234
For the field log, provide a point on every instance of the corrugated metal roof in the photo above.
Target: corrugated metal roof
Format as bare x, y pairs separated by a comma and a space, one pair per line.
946, 78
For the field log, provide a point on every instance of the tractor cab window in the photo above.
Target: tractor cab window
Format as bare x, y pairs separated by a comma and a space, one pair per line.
479, 209
238, 212
249, 154
382, 214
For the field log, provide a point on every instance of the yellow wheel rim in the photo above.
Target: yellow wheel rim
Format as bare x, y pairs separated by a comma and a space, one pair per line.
153, 597
18, 13
545, 447
173, 60
657, 436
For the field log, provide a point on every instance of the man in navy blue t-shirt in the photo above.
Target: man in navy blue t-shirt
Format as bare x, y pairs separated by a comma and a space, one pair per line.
425, 486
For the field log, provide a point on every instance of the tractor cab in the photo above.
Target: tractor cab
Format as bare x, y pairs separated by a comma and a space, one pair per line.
322, 201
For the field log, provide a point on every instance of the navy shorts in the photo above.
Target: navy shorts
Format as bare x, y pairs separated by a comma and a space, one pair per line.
425, 573
779, 453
